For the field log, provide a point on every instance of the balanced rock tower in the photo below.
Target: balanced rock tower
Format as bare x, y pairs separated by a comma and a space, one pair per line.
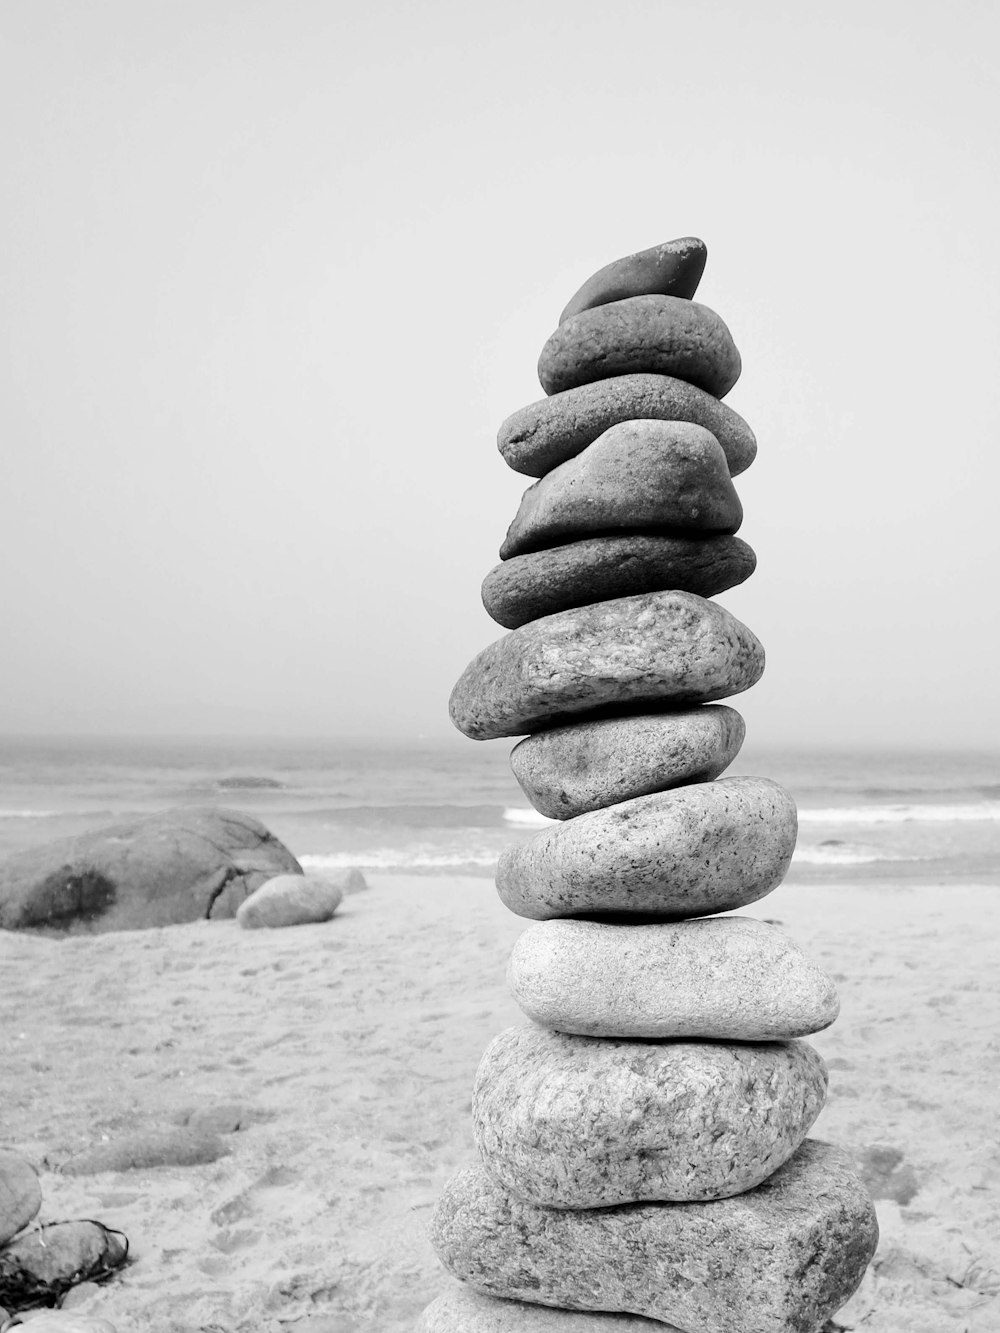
643, 1138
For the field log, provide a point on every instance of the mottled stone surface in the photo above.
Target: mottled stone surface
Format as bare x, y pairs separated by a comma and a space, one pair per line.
290, 900
463, 1310
20, 1193
671, 269
539, 437
567, 771
703, 848
661, 647
598, 569
639, 474
779, 1259
662, 335
578, 1122
729, 978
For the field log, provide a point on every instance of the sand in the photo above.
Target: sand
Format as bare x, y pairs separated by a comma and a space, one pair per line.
352, 1047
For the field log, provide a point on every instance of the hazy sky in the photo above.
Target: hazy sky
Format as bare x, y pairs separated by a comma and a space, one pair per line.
272, 274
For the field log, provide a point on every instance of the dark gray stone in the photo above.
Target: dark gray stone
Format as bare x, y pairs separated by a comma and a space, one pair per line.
20, 1193
671, 269
661, 647
639, 474
778, 1259
692, 851
597, 569
541, 436
182, 865
662, 335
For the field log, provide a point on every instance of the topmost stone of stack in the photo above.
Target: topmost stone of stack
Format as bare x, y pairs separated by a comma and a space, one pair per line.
671, 269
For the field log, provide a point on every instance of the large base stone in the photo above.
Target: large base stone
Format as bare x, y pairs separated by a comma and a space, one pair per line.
463, 1310
707, 847
780, 1259
578, 1122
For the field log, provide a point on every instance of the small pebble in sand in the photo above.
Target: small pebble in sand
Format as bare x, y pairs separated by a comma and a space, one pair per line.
178, 1146
290, 900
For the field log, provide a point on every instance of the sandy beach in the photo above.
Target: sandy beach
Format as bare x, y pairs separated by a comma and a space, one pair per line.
351, 1047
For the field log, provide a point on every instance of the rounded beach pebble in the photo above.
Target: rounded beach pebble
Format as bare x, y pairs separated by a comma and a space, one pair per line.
290, 900
640, 474
597, 569
698, 849
660, 647
539, 437
578, 1122
726, 978
781, 1257
462, 1310
567, 771
671, 269
20, 1193
662, 335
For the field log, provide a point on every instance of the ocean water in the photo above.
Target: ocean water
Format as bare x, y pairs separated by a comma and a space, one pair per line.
449, 807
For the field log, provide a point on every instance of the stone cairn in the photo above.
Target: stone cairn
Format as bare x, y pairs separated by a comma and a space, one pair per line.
643, 1139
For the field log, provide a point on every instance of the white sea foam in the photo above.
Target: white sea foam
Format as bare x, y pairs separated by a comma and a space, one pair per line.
522, 815
844, 854
27, 814
392, 858
982, 812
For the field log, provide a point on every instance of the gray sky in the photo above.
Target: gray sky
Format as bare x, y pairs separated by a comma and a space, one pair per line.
272, 274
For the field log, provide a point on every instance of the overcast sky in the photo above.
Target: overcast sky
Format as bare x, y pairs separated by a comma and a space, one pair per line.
273, 273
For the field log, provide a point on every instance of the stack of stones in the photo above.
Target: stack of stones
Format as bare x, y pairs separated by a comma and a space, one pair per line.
643, 1139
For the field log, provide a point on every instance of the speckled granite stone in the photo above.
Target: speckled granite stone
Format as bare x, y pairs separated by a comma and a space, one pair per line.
544, 434
660, 647
567, 771
597, 569
662, 335
729, 978
579, 1122
703, 848
463, 1310
671, 269
639, 474
779, 1259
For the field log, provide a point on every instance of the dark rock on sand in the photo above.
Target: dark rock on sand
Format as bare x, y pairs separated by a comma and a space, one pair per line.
778, 1259
639, 474
698, 849
176, 1146
662, 335
541, 436
463, 1310
567, 771
597, 569
671, 269
20, 1193
660, 648
181, 865
887, 1175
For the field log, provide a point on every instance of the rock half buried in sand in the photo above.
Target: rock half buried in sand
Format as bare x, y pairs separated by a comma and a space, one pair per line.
577, 1122
662, 335
289, 900
598, 569
567, 771
726, 978
782, 1257
671, 269
42, 1264
703, 848
640, 474
181, 865
463, 1310
148, 1148
661, 647
20, 1193
539, 437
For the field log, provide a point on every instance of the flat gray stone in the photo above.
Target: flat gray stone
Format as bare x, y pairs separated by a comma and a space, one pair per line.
177, 1146
692, 851
20, 1193
580, 1122
671, 269
290, 900
661, 647
541, 436
730, 978
567, 771
462, 1310
778, 1259
597, 569
639, 474
662, 335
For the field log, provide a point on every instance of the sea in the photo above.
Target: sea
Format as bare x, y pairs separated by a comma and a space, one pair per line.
449, 806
